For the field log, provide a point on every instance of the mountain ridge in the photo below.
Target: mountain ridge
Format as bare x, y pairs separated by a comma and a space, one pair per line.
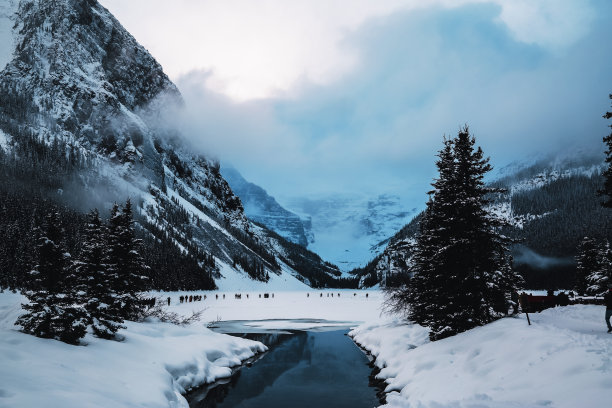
550, 205
79, 82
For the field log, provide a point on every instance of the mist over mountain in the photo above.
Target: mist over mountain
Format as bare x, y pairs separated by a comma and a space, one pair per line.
348, 228
80, 102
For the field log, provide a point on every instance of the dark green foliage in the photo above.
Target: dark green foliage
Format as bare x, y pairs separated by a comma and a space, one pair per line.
100, 286
182, 171
125, 263
173, 269
572, 212
587, 261
606, 191
253, 268
600, 277
53, 310
31, 175
462, 274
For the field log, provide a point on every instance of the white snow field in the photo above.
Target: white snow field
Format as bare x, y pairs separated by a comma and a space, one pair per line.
286, 306
563, 360
151, 368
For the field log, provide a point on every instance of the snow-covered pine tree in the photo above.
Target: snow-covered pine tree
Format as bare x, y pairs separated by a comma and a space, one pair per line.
601, 276
587, 261
606, 191
426, 293
124, 261
101, 300
53, 310
462, 270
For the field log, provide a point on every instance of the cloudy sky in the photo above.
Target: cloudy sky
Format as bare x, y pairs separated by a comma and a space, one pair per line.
307, 97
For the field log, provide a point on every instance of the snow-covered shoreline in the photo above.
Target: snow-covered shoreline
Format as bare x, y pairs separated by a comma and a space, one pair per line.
152, 367
562, 360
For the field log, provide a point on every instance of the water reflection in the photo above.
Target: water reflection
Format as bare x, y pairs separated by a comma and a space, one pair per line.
303, 369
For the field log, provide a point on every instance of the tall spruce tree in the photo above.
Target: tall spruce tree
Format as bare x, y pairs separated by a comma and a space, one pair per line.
101, 299
601, 275
54, 309
606, 191
587, 261
125, 263
462, 274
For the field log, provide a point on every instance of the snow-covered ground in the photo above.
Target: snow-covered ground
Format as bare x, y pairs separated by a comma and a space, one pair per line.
564, 359
352, 306
151, 368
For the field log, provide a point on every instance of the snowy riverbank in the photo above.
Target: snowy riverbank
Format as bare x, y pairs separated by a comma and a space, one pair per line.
151, 368
563, 360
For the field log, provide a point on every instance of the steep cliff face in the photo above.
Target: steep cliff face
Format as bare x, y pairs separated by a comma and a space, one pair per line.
264, 209
75, 78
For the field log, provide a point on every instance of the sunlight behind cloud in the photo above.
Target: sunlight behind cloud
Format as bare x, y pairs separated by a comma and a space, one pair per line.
262, 49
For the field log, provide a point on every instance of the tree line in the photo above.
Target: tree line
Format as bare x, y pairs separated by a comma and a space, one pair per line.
98, 287
594, 259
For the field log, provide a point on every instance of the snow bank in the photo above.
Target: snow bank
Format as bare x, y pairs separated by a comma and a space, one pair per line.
151, 368
562, 360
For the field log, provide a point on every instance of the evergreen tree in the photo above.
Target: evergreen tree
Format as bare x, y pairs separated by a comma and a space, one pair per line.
587, 261
462, 269
54, 310
601, 274
607, 187
99, 285
125, 263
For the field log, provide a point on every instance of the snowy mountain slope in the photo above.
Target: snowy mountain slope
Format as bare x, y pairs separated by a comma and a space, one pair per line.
78, 80
8, 8
348, 228
262, 208
550, 205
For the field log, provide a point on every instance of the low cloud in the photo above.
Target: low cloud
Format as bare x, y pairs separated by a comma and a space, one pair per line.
421, 73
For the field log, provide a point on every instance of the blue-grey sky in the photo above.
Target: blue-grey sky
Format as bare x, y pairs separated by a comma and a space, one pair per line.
312, 97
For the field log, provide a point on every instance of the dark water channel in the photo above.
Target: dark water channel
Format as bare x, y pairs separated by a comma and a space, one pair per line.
301, 369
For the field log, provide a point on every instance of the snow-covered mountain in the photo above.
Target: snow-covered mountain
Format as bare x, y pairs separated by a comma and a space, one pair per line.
550, 205
260, 207
345, 229
72, 76
348, 229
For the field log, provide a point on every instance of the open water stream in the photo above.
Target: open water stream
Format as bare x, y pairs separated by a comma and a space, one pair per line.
313, 368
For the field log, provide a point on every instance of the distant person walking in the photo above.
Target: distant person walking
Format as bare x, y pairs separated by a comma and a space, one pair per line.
608, 301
